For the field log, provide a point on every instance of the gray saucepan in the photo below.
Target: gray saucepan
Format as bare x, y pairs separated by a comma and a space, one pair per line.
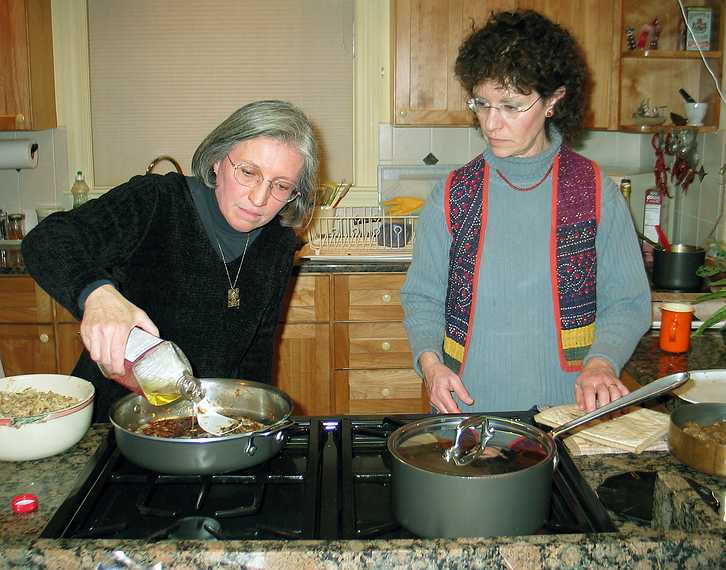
235, 398
504, 490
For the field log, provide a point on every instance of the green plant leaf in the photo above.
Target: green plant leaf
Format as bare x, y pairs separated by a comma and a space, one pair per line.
717, 317
709, 296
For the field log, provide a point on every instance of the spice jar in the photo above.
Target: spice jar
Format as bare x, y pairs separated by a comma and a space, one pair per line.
15, 225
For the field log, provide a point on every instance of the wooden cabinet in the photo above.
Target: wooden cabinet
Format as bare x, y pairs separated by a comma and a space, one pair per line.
341, 348
656, 75
27, 338
302, 366
372, 359
27, 86
426, 39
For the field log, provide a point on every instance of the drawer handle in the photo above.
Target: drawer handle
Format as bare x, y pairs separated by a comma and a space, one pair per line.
386, 392
386, 297
44, 338
385, 345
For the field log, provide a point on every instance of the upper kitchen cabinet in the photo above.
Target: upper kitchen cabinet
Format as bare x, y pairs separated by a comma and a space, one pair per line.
426, 39
656, 75
27, 89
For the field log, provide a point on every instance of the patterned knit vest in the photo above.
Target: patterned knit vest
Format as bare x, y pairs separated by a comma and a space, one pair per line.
575, 214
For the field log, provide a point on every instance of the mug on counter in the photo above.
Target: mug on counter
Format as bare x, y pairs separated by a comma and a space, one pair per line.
675, 327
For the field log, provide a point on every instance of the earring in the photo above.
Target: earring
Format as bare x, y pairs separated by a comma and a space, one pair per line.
549, 113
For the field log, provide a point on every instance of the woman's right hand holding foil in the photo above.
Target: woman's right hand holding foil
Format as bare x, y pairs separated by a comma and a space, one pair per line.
108, 317
441, 382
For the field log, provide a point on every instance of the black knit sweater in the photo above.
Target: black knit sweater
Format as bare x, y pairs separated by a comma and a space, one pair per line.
147, 237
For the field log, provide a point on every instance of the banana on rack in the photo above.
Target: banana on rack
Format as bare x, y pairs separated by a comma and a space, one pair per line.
403, 205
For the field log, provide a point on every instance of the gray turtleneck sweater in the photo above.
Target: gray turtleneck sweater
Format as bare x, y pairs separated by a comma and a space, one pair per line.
513, 361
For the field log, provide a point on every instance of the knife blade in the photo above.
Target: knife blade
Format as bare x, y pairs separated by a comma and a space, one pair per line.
705, 493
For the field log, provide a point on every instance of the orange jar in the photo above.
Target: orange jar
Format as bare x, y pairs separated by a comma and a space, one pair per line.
675, 327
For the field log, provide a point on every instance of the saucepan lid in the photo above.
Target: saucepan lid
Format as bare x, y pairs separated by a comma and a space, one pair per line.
510, 445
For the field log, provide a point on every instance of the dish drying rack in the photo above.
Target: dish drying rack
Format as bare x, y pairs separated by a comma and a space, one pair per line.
360, 232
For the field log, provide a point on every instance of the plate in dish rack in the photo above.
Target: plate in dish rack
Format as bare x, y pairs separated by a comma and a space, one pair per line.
704, 386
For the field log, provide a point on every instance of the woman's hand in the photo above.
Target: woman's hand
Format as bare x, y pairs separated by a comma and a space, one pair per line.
441, 382
597, 385
108, 317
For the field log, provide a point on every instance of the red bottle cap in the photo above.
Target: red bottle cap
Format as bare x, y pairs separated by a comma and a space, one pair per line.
25, 503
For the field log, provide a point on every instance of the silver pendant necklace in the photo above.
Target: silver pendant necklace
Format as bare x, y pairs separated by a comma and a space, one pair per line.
233, 291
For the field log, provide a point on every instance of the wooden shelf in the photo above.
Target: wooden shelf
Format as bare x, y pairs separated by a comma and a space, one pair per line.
666, 54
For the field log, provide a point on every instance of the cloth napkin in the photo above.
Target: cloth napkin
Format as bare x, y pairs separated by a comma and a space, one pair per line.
640, 429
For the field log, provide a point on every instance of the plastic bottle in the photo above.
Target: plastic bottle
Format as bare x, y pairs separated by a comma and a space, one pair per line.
79, 190
157, 369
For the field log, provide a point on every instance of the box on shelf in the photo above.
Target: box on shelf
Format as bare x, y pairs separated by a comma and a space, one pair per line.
700, 22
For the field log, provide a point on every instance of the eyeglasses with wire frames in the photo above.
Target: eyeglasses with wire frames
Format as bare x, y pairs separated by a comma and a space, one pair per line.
249, 175
509, 111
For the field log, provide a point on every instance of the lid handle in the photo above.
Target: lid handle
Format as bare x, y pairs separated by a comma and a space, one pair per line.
455, 454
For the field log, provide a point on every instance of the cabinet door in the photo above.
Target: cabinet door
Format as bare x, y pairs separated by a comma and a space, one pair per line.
307, 300
379, 392
302, 356
592, 23
70, 346
302, 367
27, 349
428, 33
23, 301
27, 85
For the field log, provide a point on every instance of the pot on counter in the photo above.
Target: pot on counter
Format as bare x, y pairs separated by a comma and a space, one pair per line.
198, 456
707, 456
675, 270
464, 476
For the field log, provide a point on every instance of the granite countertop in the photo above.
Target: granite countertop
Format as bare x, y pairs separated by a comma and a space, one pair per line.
684, 533
649, 362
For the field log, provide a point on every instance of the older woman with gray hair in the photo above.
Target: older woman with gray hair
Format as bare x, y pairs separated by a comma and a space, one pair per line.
203, 260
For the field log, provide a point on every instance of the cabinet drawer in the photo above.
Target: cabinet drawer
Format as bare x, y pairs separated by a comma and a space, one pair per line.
23, 301
380, 391
372, 345
371, 297
307, 299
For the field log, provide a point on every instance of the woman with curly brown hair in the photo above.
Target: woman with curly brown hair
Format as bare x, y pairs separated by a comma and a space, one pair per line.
526, 285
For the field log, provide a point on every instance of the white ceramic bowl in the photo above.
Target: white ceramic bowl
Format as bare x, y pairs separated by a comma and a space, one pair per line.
26, 438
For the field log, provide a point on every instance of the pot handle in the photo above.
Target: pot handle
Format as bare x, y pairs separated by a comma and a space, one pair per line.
251, 448
656, 388
274, 428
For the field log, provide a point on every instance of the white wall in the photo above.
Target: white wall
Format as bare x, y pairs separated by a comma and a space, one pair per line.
24, 190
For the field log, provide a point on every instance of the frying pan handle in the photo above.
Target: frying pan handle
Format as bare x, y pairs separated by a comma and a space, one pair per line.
274, 428
660, 386
251, 448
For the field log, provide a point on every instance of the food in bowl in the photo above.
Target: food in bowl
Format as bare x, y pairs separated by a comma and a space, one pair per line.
32, 402
25, 438
188, 428
712, 433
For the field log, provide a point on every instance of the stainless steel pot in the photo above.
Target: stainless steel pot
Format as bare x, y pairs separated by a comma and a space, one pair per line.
503, 489
200, 456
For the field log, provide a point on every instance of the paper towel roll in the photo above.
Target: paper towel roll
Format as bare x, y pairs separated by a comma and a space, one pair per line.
18, 153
